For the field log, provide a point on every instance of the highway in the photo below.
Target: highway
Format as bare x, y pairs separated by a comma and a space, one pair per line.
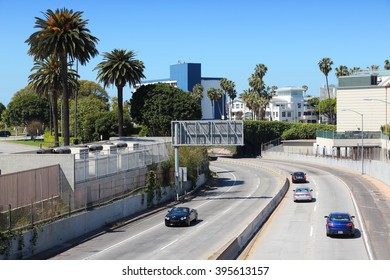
225, 208
242, 188
296, 231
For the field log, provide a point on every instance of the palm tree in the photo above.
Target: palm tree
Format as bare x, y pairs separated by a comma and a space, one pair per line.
325, 66
373, 68
47, 80
214, 94
387, 64
119, 68
354, 70
197, 91
341, 71
63, 33
228, 87
247, 98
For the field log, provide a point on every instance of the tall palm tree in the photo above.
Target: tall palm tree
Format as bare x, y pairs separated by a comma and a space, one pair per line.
325, 66
256, 80
214, 94
228, 87
63, 33
197, 91
248, 98
47, 80
341, 71
118, 68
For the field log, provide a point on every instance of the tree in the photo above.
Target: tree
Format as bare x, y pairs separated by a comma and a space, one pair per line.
157, 105
354, 70
325, 66
327, 107
229, 88
215, 94
87, 88
197, 91
25, 108
373, 67
341, 71
119, 68
387, 64
89, 110
2, 109
63, 33
47, 80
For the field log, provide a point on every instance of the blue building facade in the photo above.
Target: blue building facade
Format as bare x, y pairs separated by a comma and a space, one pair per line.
185, 76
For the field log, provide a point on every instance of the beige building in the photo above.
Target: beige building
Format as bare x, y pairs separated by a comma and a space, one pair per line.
363, 104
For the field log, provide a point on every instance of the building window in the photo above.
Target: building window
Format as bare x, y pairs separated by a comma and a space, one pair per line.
283, 114
289, 114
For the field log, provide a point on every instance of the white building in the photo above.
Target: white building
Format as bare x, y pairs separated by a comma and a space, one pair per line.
239, 111
288, 105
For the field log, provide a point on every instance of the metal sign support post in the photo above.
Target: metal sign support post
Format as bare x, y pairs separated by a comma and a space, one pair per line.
176, 160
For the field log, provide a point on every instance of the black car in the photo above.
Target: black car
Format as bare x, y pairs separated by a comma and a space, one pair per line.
5, 133
181, 216
298, 177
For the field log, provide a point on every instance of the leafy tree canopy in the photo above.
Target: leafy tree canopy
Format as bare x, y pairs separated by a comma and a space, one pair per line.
87, 88
156, 105
26, 106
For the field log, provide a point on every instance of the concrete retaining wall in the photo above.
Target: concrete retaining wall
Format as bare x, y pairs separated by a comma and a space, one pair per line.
61, 232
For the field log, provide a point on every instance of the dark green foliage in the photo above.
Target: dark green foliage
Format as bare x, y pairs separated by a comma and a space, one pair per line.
25, 108
156, 105
257, 133
304, 131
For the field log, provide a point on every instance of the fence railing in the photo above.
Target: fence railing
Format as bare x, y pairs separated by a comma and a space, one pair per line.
44, 194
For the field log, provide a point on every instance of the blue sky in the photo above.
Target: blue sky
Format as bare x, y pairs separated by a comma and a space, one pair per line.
229, 38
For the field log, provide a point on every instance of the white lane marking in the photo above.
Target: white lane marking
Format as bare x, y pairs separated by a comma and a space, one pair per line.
315, 208
123, 241
358, 216
169, 244
311, 231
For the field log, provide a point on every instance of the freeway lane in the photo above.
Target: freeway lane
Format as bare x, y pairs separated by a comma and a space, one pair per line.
297, 230
237, 195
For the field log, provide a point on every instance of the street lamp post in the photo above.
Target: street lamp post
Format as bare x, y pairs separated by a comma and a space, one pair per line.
362, 133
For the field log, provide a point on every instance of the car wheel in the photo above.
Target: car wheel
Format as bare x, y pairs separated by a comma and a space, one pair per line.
166, 224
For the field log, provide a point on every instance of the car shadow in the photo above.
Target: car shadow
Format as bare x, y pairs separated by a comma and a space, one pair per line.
358, 234
193, 223
306, 201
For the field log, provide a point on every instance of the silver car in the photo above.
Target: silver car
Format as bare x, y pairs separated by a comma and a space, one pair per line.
303, 194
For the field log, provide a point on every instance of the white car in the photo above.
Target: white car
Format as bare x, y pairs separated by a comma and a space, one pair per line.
303, 194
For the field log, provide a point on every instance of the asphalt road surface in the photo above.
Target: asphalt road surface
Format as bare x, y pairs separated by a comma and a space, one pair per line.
236, 196
296, 231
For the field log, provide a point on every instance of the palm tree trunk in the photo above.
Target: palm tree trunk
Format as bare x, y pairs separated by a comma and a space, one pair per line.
120, 111
65, 100
55, 118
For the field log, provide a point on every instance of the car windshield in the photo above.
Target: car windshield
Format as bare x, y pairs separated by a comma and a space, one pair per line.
179, 210
298, 174
302, 190
339, 217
